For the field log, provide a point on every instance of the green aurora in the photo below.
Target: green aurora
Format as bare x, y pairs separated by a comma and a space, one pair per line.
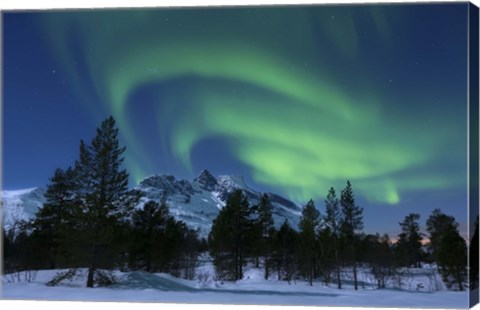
301, 96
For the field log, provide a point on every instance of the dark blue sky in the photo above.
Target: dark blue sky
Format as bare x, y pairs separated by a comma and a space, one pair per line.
295, 99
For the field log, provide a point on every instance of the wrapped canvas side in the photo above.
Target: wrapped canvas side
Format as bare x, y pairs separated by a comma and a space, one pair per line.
473, 151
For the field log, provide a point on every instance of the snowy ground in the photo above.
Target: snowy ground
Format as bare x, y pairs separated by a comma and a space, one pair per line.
253, 290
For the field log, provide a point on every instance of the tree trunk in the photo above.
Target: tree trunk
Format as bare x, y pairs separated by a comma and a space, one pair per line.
266, 263
337, 264
354, 259
91, 272
355, 275
91, 269
240, 264
339, 283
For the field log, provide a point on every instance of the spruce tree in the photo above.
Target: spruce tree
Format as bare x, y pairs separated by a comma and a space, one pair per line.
105, 198
448, 248
285, 251
409, 245
54, 226
309, 223
228, 237
332, 222
437, 225
379, 257
21, 251
159, 243
264, 222
326, 255
149, 225
452, 258
351, 223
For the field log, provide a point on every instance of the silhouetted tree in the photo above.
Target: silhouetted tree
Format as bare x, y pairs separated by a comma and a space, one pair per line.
16, 248
263, 232
105, 198
332, 221
437, 225
227, 239
285, 252
148, 236
379, 257
409, 245
326, 255
181, 249
308, 250
351, 223
449, 249
54, 227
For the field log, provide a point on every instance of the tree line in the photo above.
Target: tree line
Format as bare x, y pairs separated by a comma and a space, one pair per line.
327, 245
90, 220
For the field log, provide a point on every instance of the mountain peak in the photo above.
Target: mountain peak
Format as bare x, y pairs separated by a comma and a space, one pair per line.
206, 180
157, 179
232, 181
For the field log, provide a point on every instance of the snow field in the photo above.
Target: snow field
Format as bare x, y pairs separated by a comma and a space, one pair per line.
252, 290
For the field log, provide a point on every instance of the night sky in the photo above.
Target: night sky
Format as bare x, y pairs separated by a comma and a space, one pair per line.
295, 99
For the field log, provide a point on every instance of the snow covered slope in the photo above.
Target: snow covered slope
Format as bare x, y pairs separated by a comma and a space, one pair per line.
20, 205
195, 202
198, 202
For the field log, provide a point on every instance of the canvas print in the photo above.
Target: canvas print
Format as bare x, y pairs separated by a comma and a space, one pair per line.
317, 155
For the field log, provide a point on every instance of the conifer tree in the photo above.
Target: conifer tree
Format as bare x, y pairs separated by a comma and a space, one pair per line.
326, 255
452, 258
285, 251
266, 228
149, 226
21, 252
309, 223
54, 226
437, 225
228, 237
379, 256
105, 198
448, 248
409, 245
159, 243
332, 222
351, 223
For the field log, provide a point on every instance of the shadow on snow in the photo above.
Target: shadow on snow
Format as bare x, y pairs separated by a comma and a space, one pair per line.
145, 280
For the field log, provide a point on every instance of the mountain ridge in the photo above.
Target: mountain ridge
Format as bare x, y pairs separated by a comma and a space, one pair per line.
195, 202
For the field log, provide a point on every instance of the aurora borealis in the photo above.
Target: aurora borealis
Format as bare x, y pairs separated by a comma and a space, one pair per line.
296, 99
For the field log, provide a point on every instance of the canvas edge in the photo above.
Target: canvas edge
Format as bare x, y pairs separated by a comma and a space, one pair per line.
473, 124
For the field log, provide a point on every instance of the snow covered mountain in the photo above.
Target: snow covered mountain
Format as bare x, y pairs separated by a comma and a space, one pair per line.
198, 202
195, 202
20, 205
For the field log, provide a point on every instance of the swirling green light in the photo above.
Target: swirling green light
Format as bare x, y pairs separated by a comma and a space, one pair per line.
291, 122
